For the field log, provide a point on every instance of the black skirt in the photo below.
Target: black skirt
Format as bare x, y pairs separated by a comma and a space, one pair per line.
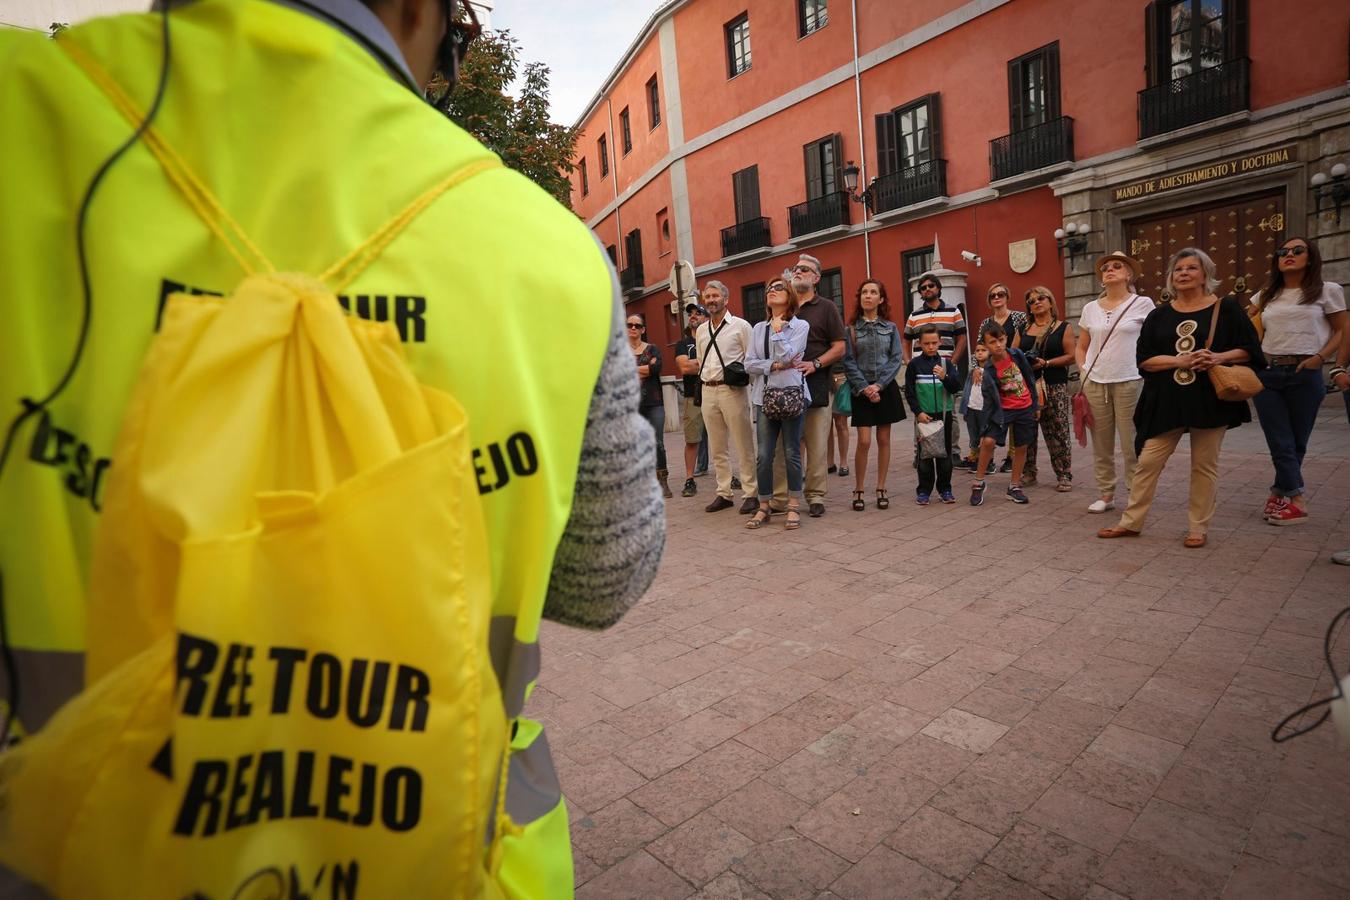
887, 411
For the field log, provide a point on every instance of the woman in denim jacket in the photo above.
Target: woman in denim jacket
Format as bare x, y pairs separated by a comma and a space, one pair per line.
776, 346
871, 362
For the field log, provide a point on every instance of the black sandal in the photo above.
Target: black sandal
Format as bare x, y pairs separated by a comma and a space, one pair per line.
858, 504
762, 515
883, 502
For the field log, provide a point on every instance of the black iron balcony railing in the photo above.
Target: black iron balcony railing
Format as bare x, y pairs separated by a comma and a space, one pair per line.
630, 279
819, 214
1208, 94
905, 187
1032, 148
745, 236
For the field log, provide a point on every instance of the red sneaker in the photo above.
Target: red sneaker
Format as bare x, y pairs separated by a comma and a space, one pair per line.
1272, 503
1287, 514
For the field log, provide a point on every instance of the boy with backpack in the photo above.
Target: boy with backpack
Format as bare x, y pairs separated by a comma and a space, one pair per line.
1009, 398
930, 386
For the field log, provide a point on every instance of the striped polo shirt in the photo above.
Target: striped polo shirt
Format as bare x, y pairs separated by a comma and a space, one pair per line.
949, 325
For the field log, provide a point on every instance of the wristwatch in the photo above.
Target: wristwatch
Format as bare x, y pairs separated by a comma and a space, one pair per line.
817, 362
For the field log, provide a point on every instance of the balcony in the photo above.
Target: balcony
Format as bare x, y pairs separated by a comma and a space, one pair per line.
1211, 93
906, 187
819, 214
1038, 147
744, 237
630, 279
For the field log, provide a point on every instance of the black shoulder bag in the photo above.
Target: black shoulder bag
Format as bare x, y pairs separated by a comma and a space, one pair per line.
733, 375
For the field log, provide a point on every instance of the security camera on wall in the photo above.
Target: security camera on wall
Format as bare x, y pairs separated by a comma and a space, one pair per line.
972, 257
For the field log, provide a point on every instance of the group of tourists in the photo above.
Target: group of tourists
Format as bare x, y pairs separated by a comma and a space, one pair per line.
1147, 373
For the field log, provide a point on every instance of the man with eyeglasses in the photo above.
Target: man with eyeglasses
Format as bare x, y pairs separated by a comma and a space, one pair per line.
824, 348
950, 325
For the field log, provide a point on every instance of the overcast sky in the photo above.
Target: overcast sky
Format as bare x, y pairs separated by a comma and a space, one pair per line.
579, 40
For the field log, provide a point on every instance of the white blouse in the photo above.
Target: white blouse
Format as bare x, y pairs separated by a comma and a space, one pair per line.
1293, 328
1108, 362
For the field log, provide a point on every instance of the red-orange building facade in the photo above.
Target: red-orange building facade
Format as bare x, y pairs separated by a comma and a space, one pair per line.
983, 125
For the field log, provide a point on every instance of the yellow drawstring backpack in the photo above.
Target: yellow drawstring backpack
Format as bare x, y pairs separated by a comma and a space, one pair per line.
288, 685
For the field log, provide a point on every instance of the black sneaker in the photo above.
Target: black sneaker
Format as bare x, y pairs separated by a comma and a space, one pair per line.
977, 493
735, 483
1015, 494
990, 470
749, 505
690, 489
1006, 467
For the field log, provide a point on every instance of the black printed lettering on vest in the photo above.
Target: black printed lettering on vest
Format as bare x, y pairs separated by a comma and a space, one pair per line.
196, 658
343, 883
366, 716
408, 310
411, 688
324, 697
223, 795
64, 451
518, 458
286, 659
235, 673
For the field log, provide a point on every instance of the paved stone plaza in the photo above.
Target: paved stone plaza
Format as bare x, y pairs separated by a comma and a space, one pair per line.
967, 702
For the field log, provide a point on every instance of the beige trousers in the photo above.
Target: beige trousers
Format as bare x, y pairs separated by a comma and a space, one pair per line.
1112, 408
726, 415
1205, 445
816, 436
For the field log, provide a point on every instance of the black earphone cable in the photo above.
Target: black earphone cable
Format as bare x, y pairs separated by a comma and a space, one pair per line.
1336, 692
32, 407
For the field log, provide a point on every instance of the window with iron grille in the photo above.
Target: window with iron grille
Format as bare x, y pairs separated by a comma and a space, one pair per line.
915, 262
822, 167
1033, 88
738, 45
585, 179
602, 147
812, 15
752, 303
1184, 37
625, 131
653, 104
831, 287
909, 135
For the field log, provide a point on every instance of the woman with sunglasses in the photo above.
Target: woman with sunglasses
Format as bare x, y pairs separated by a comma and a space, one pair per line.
1014, 325
1302, 323
871, 362
1049, 344
776, 346
651, 404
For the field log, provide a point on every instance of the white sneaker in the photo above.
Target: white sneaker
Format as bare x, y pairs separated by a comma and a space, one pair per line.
1100, 506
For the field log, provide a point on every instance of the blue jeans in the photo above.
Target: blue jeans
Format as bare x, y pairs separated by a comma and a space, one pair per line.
1287, 409
768, 431
656, 415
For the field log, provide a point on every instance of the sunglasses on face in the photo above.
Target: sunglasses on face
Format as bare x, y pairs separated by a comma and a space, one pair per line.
780, 287
933, 287
996, 294
1038, 297
1291, 251
635, 325
805, 269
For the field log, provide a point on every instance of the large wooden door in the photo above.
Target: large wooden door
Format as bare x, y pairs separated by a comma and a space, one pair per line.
1239, 236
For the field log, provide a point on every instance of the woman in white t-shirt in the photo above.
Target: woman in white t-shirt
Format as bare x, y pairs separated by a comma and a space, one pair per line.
1302, 321
1108, 331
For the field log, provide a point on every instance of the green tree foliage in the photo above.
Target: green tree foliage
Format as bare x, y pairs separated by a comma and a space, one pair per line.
516, 128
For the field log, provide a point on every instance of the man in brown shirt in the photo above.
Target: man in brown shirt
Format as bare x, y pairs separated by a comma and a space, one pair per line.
824, 347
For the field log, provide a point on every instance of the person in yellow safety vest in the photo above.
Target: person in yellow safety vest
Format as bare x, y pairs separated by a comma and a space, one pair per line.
305, 118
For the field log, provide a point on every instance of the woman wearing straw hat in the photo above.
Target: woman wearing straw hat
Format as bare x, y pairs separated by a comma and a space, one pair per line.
1109, 329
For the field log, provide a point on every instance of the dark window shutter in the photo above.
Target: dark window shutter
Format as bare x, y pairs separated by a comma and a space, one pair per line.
935, 125
1015, 95
814, 177
1235, 28
887, 155
1152, 44
745, 188
836, 179
752, 209
1052, 81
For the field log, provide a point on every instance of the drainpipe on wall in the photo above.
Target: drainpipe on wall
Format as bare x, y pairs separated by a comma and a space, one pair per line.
862, 150
614, 182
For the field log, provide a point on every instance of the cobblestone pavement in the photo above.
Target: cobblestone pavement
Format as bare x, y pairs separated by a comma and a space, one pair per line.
967, 702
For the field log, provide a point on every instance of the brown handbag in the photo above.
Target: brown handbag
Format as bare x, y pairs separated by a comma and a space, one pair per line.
1231, 382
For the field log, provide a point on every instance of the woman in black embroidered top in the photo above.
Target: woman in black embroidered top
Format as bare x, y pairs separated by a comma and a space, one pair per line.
1049, 343
1178, 397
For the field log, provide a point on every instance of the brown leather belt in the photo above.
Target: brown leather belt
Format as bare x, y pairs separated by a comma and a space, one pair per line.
713, 383
1291, 360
